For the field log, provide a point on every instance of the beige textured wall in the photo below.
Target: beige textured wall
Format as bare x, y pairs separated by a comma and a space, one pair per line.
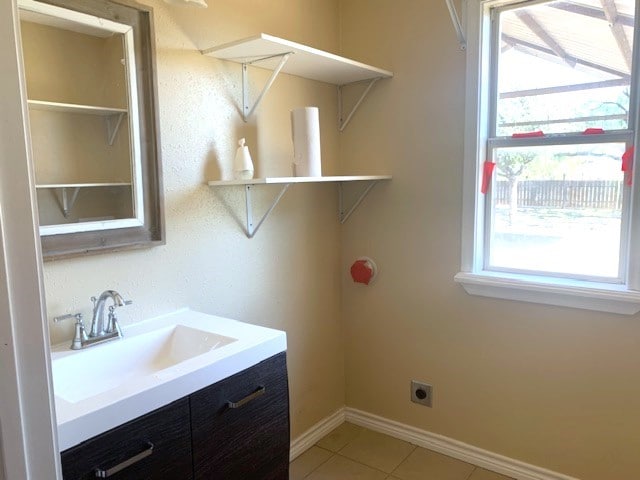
550, 386
287, 277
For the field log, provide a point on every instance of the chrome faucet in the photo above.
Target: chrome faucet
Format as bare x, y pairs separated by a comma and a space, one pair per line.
99, 331
97, 322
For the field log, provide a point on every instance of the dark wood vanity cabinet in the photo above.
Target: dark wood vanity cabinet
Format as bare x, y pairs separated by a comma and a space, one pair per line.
155, 446
240, 426
236, 429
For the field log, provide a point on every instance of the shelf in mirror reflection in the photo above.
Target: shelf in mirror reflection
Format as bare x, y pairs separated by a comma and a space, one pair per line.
75, 108
83, 185
112, 116
90, 205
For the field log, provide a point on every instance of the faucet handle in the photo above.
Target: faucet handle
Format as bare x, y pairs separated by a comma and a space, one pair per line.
80, 335
60, 318
112, 323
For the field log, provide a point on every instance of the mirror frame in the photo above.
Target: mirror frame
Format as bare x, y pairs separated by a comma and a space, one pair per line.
152, 231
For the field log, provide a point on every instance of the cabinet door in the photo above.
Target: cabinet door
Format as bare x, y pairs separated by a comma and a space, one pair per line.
125, 453
240, 426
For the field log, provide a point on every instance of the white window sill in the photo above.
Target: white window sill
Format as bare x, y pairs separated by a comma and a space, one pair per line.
602, 297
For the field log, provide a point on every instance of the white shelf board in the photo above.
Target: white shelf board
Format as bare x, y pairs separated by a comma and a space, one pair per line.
282, 180
75, 108
343, 212
84, 185
306, 62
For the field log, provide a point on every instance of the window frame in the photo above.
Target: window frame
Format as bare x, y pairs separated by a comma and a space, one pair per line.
621, 297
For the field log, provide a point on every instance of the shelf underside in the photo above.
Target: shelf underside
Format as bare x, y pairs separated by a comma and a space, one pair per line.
75, 108
306, 62
283, 180
83, 185
344, 212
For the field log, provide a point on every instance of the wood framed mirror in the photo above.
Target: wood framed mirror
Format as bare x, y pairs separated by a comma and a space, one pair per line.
92, 95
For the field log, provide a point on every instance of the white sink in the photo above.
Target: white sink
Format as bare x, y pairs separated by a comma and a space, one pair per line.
97, 370
157, 362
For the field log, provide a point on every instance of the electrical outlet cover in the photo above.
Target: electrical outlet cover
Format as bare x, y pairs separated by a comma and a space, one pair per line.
422, 393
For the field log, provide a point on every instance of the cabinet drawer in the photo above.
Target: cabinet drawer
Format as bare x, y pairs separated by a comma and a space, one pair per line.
166, 429
240, 426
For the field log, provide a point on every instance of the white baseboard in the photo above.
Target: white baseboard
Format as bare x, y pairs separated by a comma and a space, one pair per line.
453, 448
305, 441
422, 438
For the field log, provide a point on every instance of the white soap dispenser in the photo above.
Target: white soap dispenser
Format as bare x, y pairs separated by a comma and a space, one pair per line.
242, 166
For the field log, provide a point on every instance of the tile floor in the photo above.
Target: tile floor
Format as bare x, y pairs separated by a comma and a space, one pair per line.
350, 452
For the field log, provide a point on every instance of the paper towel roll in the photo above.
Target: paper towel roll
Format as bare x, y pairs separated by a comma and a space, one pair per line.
305, 132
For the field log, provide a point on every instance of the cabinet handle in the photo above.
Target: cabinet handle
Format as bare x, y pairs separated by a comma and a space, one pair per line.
127, 463
259, 392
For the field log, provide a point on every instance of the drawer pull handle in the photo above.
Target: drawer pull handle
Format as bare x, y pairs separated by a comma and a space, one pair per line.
259, 392
127, 463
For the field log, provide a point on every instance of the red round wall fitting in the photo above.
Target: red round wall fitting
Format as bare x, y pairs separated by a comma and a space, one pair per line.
364, 270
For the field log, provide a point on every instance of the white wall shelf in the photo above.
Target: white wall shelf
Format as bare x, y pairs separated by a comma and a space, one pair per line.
112, 116
69, 192
279, 180
279, 55
343, 214
83, 185
74, 108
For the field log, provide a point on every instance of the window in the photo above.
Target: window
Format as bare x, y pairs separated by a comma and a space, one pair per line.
552, 97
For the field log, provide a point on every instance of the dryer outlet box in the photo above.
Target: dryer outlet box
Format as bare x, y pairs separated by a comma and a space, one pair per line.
422, 393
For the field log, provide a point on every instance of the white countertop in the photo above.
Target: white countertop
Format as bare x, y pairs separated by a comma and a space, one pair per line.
90, 416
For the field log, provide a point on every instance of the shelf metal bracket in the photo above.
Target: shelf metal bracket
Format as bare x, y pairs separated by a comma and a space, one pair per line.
113, 125
343, 122
248, 110
457, 25
67, 199
344, 215
252, 228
